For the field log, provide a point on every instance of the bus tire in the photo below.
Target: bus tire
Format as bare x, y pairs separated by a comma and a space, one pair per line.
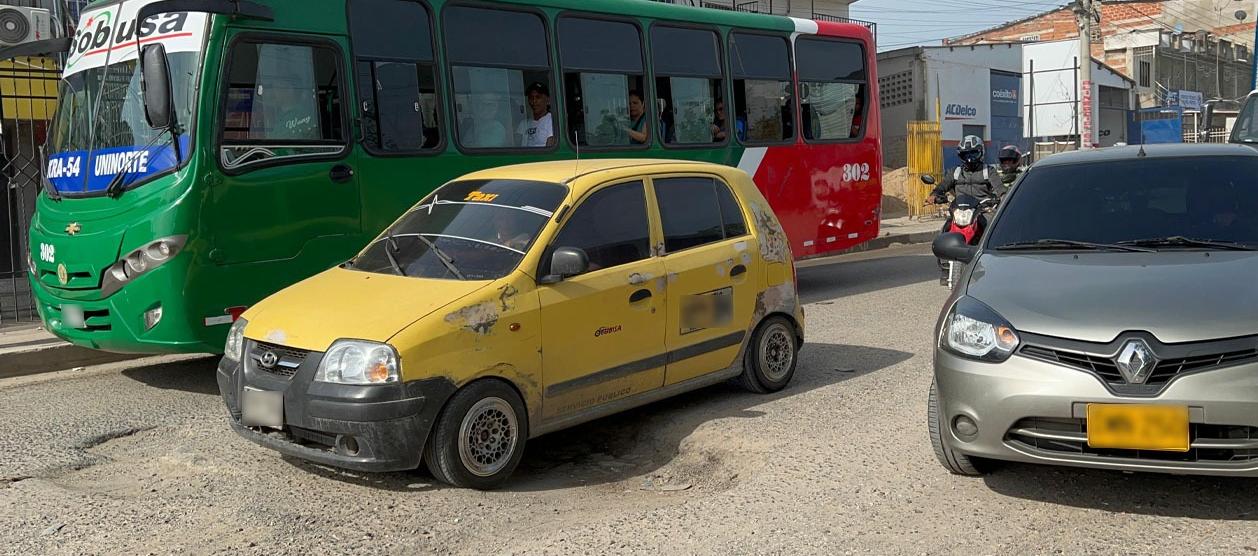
771, 356
479, 438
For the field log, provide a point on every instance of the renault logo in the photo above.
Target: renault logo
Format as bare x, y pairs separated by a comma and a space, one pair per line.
269, 359
73, 228
63, 275
1136, 361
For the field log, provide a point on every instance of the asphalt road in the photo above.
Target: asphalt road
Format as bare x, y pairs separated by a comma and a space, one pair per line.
136, 458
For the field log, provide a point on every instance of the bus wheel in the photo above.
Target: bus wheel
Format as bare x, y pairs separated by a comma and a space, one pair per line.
479, 437
771, 356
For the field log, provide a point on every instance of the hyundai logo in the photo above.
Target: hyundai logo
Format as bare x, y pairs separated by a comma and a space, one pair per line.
1136, 361
269, 360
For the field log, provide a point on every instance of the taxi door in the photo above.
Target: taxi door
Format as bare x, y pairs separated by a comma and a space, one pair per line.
603, 331
713, 279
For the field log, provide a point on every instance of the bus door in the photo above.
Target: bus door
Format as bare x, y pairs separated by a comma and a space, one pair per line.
288, 189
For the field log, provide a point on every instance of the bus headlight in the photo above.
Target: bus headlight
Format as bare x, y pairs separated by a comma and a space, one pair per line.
139, 261
358, 362
235, 340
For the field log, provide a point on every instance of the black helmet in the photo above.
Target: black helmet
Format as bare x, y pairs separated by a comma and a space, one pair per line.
1009, 152
971, 150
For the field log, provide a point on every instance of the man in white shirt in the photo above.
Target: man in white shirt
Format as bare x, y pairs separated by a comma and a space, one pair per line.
539, 130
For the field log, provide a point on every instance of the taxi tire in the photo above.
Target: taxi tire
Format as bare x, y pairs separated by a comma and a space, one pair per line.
442, 453
754, 377
955, 462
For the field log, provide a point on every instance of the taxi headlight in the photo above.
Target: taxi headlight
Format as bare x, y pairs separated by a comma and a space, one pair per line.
974, 331
139, 261
235, 347
358, 362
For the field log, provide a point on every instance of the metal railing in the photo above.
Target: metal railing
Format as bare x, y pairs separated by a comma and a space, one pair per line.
774, 7
873, 27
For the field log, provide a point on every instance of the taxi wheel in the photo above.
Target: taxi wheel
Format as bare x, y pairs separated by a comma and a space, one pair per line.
771, 356
478, 439
955, 462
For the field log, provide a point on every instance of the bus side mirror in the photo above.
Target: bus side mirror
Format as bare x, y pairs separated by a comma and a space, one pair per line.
1207, 116
158, 104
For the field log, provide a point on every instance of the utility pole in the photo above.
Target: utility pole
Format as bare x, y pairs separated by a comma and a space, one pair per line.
1086, 12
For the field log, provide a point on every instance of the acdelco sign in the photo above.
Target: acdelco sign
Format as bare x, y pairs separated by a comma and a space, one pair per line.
960, 111
113, 34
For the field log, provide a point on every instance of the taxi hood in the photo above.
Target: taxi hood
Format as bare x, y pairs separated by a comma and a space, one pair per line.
340, 303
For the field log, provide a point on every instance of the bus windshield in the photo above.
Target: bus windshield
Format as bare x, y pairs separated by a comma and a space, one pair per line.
100, 129
466, 230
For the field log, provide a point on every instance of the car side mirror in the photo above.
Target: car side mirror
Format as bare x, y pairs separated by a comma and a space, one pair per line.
155, 68
566, 262
928, 179
952, 247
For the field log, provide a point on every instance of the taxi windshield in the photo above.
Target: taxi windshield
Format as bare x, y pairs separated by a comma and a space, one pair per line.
465, 230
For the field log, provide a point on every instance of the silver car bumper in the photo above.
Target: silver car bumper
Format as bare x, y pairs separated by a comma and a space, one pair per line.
1033, 411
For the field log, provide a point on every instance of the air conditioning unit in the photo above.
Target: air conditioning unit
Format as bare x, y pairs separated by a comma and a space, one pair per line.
21, 25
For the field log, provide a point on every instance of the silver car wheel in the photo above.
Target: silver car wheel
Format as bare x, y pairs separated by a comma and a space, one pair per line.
776, 351
488, 437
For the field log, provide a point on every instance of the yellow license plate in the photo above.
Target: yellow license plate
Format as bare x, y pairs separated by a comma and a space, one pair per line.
1138, 427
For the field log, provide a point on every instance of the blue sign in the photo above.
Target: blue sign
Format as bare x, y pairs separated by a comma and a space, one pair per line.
84, 171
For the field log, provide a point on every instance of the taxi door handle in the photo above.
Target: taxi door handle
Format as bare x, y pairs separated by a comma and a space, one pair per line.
737, 271
640, 295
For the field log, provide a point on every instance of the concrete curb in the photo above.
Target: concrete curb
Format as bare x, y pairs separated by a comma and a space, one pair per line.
54, 356
892, 240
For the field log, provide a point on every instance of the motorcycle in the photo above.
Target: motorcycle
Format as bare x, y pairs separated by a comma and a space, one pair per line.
967, 216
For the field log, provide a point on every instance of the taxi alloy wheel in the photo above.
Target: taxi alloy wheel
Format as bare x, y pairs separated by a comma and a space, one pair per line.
771, 356
478, 439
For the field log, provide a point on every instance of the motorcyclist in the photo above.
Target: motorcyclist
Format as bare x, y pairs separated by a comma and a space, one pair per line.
973, 177
1010, 165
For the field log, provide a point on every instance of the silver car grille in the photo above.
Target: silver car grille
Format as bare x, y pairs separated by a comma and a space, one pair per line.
1208, 443
1106, 369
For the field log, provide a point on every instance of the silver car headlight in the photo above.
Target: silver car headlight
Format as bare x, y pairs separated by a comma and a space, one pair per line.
139, 261
974, 331
358, 362
235, 347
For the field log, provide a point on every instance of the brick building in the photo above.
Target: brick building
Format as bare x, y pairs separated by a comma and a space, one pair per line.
1165, 46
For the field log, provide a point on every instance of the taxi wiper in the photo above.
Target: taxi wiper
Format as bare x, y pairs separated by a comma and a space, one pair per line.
390, 247
1181, 241
441, 256
1046, 244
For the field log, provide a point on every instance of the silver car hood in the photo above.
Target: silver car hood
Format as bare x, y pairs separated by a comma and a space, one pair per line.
1178, 296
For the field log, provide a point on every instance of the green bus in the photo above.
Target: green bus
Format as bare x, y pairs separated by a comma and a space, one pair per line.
206, 153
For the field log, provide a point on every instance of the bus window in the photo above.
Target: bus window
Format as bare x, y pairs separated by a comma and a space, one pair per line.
396, 75
832, 88
602, 65
283, 92
764, 104
498, 59
688, 79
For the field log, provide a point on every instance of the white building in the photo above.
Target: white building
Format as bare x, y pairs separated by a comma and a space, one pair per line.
1051, 81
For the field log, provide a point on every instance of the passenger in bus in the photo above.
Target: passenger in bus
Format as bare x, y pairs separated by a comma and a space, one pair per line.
539, 130
718, 122
638, 130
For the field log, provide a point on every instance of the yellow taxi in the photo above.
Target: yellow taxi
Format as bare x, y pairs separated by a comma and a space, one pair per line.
515, 302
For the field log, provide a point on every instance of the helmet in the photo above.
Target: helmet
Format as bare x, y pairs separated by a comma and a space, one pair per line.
1009, 157
971, 150
963, 209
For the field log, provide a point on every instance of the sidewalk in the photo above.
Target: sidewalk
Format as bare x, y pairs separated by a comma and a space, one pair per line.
28, 349
901, 231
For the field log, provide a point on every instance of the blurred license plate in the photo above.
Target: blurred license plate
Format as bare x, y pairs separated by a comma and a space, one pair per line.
262, 408
1138, 427
72, 315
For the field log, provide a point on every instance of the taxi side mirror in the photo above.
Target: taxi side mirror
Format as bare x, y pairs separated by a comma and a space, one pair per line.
566, 262
952, 247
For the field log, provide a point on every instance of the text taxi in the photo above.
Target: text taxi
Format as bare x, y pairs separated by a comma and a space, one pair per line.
515, 302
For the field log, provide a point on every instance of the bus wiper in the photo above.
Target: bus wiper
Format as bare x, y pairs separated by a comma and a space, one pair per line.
441, 256
1046, 244
1181, 241
389, 248
115, 187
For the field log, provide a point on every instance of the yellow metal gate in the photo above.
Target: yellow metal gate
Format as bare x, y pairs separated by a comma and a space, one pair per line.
925, 158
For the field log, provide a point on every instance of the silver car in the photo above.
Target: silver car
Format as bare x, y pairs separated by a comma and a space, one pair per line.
1108, 318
